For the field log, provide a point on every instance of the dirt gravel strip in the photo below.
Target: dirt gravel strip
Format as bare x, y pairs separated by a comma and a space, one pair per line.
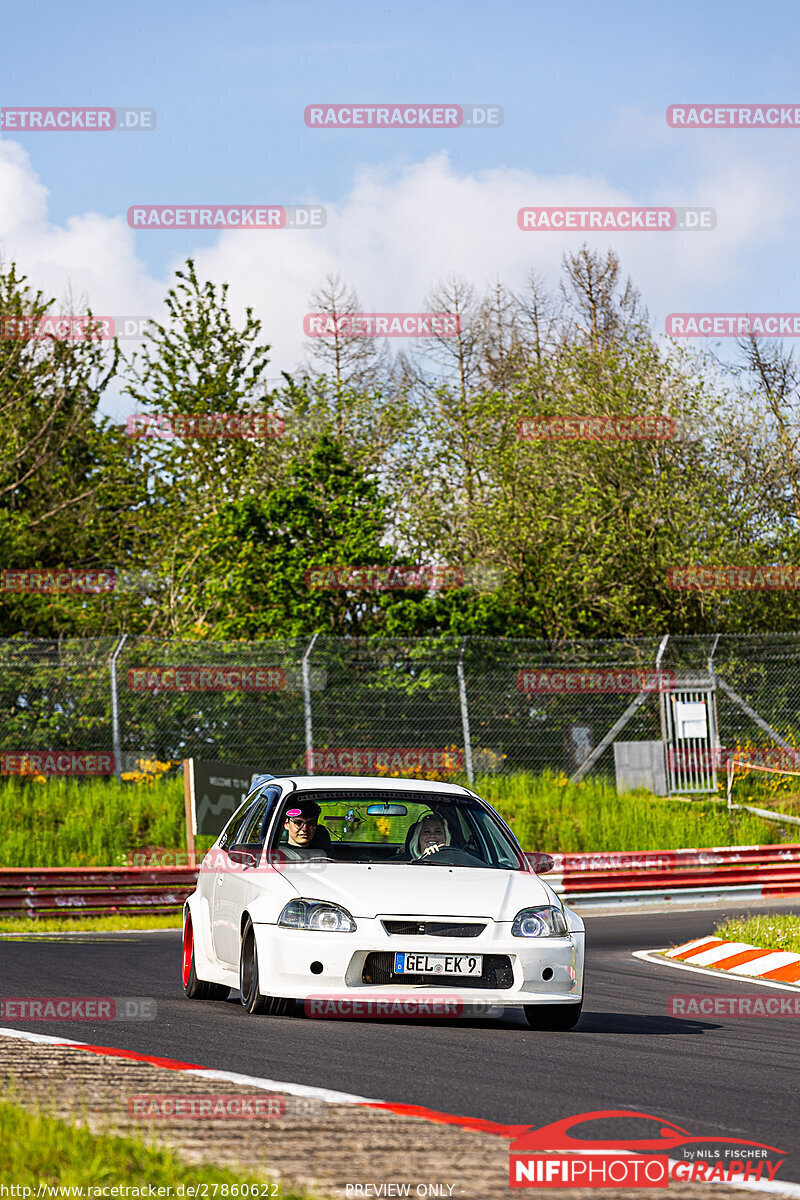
319, 1145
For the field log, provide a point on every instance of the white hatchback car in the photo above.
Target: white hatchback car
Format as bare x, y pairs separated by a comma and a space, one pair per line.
347, 887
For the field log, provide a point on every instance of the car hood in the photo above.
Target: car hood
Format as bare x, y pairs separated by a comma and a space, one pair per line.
401, 890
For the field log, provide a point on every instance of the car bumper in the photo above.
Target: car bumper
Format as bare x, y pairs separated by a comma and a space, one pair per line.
307, 964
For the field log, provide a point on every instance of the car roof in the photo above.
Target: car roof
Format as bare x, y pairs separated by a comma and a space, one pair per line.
369, 783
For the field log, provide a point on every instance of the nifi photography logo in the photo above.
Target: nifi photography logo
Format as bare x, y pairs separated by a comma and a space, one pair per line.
552, 1157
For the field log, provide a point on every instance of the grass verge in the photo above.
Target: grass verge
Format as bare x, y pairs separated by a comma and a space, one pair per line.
84, 924
89, 822
97, 822
546, 812
37, 1149
771, 931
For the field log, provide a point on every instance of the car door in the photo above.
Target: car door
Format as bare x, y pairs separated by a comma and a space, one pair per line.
236, 862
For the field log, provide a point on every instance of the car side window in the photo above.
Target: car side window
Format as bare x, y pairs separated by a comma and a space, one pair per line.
501, 852
252, 828
227, 837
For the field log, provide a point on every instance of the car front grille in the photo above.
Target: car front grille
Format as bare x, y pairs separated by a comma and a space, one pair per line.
411, 928
497, 973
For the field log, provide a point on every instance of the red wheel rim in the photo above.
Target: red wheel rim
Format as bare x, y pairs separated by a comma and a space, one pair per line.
188, 947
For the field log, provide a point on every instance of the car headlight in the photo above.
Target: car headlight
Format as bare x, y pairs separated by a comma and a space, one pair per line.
317, 915
546, 921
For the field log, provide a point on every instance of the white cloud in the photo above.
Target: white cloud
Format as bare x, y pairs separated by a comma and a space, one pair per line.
401, 230
92, 258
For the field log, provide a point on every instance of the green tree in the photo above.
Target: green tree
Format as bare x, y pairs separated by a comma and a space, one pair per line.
198, 363
326, 514
63, 483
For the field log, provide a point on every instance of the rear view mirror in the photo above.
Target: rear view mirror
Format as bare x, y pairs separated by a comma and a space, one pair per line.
540, 863
387, 810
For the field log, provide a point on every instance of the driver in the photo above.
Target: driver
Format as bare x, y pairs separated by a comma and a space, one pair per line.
431, 834
302, 827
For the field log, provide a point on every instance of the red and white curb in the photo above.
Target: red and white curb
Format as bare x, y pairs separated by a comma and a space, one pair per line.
329, 1096
739, 958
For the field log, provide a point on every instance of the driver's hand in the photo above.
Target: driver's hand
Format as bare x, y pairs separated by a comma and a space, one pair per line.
432, 849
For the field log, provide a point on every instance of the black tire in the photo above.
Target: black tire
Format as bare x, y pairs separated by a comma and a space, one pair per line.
252, 999
553, 1016
194, 988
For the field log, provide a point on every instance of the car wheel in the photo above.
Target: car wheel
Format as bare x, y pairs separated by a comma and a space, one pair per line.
553, 1016
252, 999
194, 988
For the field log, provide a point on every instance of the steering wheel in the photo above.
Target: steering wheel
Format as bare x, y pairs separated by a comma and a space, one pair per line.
446, 855
453, 856
431, 852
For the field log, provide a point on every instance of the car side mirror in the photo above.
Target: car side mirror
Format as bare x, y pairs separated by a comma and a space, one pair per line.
540, 863
243, 855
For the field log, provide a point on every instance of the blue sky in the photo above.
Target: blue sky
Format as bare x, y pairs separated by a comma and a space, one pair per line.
584, 89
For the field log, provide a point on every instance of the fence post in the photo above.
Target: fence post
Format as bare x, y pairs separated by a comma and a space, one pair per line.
115, 706
462, 696
307, 706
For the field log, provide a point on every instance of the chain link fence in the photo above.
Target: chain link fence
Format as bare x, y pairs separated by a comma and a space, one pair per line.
336, 705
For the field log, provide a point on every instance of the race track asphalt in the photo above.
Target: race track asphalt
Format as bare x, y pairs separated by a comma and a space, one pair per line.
715, 1076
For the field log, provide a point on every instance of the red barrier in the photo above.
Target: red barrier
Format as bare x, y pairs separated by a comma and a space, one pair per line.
774, 868
99, 898
29, 877
622, 881
94, 891
646, 860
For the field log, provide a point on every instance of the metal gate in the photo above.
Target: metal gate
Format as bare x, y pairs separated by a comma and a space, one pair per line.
689, 731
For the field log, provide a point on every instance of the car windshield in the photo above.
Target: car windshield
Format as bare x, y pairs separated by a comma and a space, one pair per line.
396, 827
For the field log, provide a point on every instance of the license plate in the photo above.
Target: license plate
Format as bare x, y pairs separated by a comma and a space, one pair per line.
437, 964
